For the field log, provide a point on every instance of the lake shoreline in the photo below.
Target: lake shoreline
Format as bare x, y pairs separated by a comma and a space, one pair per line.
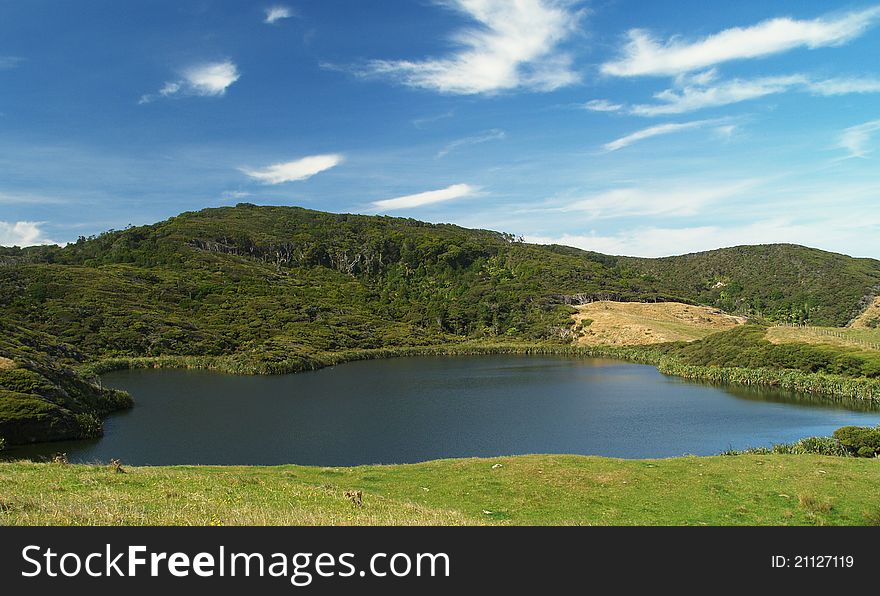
819, 384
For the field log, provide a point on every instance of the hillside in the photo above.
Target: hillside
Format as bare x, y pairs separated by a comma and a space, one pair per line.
606, 323
780, 282
870, 317
285, 288
40, 397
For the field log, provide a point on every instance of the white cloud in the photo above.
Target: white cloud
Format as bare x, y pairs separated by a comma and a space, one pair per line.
210, 79
694, 93
456, 191
655, 131
856, 138
842, 235
602, 105
845, 86
276, 13
235, 194
10, 62
516, 45
645, 55
490, 135
293, 171
23, 198
22, 233
684, 201
696, 97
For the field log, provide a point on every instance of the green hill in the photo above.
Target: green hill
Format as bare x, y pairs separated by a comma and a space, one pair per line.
269, 285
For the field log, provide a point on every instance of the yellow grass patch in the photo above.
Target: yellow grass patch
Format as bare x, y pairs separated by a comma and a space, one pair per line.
637, 323
872, 313
865, 339
6, 363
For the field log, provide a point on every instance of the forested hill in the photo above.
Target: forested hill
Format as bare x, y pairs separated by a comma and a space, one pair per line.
285, 280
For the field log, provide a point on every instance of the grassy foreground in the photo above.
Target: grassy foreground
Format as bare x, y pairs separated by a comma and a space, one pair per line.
557, 490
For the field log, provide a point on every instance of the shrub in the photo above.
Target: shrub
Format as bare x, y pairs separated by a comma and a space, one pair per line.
819, 446
860, 441
2, 443
89, 425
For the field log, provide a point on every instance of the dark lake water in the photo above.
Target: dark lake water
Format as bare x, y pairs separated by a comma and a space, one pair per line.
415, 409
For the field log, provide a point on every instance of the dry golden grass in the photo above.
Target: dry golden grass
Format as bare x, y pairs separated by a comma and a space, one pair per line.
6, 363
861, 338
872, 313
637, 323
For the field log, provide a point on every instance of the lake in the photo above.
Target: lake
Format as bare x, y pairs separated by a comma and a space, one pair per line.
414, 409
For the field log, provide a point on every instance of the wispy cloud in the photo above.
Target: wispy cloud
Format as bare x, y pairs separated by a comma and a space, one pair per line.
490, 135
7, 198
692, 98
22, 233
294, 171
210, 79
277, 13
420, 123
646, 55
515, 45
10, 62
671, 201
230, 195
602, 105
845, 86
656, 241
456, 191
695, 96
655, 131
856, 138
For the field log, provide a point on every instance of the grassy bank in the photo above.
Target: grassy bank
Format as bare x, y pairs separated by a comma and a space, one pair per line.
823, 384
724, 490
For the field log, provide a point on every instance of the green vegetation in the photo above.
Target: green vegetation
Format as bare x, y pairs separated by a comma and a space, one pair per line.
746, 347
42, 400
251, 289
778, 282
859, 441
745, 490
805, 446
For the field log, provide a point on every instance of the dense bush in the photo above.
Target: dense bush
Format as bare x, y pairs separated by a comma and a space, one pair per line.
746, 347
859, 440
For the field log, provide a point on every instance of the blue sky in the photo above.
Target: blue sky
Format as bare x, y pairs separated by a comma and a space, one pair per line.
629, 127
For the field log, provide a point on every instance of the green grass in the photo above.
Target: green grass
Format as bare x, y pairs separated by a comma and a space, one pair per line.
555, 490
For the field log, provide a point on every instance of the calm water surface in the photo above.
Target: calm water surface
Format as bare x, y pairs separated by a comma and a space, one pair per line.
415, 409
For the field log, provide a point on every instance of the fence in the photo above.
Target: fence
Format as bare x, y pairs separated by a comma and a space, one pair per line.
836, 333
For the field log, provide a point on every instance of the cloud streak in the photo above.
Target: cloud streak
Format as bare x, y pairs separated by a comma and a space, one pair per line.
277, 13
294, 171
602, 105
490, 135
514, 45
10, 62
210, 79
684, 201
645, 55
699, 94
456, 191
856, 138
655, 131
